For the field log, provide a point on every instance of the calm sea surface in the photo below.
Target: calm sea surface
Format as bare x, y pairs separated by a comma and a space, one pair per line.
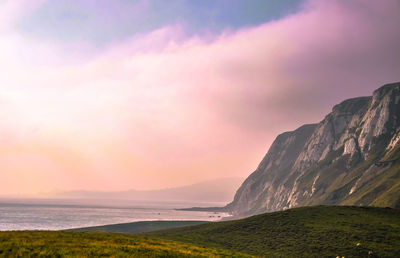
47, 215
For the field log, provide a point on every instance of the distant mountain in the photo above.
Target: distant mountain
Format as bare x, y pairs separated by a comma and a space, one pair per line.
352, 157
219, 190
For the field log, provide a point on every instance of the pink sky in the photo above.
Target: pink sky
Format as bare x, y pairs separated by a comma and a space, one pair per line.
163, 109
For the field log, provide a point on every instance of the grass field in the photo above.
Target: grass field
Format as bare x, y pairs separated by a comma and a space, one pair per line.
140, 226
319, 231
80, 244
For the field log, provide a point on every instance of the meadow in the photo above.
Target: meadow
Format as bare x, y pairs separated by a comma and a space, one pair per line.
95, 244
318, 231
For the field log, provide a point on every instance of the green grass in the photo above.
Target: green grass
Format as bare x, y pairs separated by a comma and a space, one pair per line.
139, 227
319, 231
384, 189
95, 244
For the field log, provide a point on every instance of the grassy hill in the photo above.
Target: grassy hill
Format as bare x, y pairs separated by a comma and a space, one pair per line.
140, 226
319, 231
80, 244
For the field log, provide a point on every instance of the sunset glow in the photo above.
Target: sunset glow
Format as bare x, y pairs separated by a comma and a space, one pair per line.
170, 102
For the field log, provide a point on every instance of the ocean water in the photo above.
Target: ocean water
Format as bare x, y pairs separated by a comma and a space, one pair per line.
48, 215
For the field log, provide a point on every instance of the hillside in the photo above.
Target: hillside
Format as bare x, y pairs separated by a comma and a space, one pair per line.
320, 231
352, 157
140, 226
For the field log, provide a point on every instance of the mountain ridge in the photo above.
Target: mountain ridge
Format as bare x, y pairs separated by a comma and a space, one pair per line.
210, 191
344, 159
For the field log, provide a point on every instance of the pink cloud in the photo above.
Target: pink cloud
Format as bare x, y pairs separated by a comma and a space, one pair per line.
182, 109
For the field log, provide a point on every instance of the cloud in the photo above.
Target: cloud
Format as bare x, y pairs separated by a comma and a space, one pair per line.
163, 109
12, 11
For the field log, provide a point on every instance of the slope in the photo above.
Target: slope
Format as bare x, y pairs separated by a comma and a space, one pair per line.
319, 231
352, 157
140, 226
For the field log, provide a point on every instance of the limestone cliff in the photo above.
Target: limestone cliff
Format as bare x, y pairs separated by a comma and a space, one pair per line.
352, 157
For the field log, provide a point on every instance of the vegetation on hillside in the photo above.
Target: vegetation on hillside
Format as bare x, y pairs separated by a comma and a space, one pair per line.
140, 226
79, 244
320, 231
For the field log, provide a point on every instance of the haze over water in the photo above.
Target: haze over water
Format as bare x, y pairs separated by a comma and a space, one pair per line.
45, 215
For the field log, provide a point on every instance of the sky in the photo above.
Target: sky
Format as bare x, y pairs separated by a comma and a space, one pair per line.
147, 94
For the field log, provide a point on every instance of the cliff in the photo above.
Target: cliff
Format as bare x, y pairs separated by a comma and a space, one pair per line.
352, 157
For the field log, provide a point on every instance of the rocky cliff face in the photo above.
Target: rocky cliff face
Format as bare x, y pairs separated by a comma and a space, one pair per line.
352, 157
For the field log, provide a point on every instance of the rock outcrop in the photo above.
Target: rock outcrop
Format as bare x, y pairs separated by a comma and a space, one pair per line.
352, 157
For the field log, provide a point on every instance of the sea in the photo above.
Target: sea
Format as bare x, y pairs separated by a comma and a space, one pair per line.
48, 214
